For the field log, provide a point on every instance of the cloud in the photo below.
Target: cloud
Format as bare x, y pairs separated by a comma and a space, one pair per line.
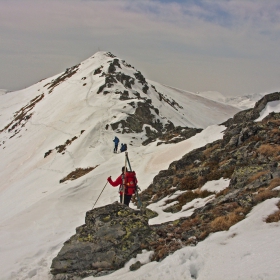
202, 34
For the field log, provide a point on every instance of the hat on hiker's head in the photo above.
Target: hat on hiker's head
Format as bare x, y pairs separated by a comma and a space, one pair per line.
123, 168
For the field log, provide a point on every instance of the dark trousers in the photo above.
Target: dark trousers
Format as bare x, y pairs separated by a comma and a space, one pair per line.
127, 199
116, 148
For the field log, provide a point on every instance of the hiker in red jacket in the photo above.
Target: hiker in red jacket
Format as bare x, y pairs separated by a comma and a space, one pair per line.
129, 189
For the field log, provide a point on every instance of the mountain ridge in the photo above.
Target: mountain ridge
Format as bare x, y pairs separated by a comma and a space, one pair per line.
118, 79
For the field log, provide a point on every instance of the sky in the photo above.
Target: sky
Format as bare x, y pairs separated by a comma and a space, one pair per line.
229, 46
38, 214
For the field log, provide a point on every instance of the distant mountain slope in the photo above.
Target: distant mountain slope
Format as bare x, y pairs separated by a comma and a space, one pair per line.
200, 111
241, 102
213, 95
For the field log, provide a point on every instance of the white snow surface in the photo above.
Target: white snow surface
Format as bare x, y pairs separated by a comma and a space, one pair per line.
196, 107
216, 185
241, 102
213, 95
273, 106
38, 214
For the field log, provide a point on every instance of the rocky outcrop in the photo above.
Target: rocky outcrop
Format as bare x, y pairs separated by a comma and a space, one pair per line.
254, 113
178, 134
22, 116
146, 116
145, 113
248, 145
111, 236
248, 155
69, 72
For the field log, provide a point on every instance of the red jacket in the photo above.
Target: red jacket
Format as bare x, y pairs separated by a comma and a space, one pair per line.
118, 182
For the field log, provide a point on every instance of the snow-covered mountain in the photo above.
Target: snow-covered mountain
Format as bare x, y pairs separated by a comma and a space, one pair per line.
241, 102
66, 123
71, 117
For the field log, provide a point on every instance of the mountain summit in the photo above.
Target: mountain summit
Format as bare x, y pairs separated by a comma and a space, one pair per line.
131, 102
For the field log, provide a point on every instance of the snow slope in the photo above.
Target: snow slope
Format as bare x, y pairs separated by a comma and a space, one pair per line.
200, 111
38, 214
241, 102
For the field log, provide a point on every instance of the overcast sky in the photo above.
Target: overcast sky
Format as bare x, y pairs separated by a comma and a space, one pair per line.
202, 45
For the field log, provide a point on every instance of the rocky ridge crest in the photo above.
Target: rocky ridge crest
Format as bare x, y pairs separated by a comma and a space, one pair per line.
248, 155
111, 236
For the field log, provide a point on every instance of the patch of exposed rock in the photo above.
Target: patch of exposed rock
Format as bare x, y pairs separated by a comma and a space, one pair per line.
145, 113
146, 117
254, 113
111, 236
22, 116
77, 173
173, 135
69, 72
62, 148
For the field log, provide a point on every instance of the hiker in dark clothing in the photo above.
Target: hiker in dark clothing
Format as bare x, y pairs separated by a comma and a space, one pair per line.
128, 191
116, 141
123, 147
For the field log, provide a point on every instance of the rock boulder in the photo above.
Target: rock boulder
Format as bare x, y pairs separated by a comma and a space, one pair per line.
111, 236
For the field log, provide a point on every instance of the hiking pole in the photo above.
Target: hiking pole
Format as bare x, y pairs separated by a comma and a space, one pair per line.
99, 195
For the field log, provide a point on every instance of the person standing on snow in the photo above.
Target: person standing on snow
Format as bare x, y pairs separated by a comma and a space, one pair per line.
116, 141
119, 182
123, 147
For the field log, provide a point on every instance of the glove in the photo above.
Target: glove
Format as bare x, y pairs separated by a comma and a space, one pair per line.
109, 178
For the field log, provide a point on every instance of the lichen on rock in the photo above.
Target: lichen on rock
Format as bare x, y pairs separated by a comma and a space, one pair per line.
111, 236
